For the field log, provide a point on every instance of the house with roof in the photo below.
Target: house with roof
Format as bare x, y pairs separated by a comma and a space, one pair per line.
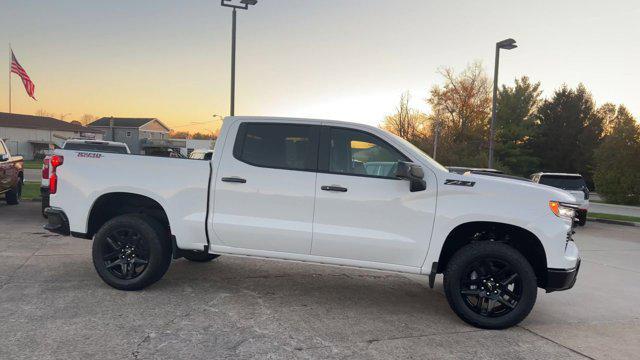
31, 136
143, 135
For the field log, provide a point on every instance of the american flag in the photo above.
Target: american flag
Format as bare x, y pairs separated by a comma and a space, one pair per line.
17, 69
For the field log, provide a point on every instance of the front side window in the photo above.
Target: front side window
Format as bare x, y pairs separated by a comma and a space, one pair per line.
355, 152
281, 146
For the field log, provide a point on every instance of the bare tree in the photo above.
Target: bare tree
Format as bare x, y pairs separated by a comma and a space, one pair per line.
464, 100
87, 119
44, 113
406, 122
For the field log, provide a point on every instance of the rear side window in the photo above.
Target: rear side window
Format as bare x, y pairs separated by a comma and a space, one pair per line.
280, 146
96, 147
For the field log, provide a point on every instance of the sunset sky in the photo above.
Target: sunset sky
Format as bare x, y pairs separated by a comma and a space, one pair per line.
347, 59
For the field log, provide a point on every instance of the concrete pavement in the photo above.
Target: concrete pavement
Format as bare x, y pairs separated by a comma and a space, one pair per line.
53, 305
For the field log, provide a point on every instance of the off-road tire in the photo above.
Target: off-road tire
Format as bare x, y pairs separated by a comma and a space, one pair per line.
471, 254
153, 237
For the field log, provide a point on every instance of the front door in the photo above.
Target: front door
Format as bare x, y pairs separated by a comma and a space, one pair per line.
265, 187
363, 212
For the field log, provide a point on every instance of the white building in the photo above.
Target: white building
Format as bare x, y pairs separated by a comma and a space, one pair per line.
28, 135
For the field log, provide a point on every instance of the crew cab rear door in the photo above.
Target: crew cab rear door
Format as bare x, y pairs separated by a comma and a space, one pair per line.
363, 212
265, 186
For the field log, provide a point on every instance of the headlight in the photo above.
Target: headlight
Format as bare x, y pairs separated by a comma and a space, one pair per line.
562, 210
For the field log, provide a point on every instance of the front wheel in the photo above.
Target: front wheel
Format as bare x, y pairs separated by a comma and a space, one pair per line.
131, 252
490, 285
14, 195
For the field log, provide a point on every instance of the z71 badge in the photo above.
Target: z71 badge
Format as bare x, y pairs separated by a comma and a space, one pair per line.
459, 182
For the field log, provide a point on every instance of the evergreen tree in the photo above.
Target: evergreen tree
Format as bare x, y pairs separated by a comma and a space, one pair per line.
515, 123
617, 175
568, 133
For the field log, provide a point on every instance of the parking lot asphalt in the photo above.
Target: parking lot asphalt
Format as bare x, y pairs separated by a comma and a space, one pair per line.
53, 305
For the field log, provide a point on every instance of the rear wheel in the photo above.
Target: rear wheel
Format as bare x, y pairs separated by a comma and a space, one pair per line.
131, 252
490, 285
14, 195
199, 256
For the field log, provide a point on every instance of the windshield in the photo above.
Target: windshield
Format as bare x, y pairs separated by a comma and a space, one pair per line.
564, 182
421, 153
96, 147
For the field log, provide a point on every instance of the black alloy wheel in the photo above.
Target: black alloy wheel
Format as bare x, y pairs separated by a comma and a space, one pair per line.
131, 251
126, 256
491, 287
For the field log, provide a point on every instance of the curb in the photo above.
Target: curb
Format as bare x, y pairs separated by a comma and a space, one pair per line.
614, 222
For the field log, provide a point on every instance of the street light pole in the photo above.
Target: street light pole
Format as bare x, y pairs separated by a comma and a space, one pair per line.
243, 5
492, 127
506, 44
233, 63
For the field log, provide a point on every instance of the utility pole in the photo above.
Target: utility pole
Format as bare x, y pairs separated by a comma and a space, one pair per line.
436, 137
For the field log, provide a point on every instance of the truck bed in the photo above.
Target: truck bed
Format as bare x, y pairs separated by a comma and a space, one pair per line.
179, 185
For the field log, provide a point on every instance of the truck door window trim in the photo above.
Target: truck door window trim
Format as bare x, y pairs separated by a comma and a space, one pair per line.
239, 143
325, 149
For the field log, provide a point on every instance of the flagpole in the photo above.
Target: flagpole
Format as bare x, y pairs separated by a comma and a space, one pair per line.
10, 59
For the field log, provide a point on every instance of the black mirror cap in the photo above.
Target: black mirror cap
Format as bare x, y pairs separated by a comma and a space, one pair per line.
407, 170
413, 173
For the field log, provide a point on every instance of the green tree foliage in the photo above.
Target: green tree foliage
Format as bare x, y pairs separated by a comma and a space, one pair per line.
617, 174
569, 131
515, 124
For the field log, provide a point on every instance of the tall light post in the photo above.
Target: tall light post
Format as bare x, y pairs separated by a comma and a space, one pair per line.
242, 5
506, 44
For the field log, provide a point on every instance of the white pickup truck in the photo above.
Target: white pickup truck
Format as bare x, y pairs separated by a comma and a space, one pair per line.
325, 192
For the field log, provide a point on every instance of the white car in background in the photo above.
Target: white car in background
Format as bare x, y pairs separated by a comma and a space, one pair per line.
201, 154
574, 184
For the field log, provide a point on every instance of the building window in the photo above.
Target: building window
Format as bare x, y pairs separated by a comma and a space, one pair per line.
128, 133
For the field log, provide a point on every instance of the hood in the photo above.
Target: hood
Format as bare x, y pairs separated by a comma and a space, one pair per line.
516, 186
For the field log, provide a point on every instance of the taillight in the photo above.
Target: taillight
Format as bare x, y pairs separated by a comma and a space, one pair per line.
45, 168
54, 162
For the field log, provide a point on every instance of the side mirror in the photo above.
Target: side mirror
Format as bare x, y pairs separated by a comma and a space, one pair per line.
4, 157
413, 173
